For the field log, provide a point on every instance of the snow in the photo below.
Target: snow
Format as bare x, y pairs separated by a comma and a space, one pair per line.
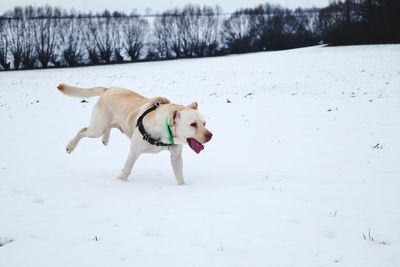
304, 161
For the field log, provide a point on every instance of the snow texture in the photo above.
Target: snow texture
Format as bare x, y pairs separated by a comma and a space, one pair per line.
303, 168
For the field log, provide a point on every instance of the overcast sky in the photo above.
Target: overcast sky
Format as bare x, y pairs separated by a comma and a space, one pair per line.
156, 5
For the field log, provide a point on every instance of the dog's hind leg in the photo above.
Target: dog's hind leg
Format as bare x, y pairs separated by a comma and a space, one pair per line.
74, 141
106, 136
98, 127
84, 132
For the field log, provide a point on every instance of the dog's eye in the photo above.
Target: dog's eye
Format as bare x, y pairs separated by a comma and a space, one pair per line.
194, 124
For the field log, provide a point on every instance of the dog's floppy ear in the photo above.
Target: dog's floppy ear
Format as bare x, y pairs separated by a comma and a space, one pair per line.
174, 117
194, 105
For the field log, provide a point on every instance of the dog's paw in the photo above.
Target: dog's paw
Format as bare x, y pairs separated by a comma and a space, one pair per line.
123, 176
180, 182
69, 148
106, 138
105, 141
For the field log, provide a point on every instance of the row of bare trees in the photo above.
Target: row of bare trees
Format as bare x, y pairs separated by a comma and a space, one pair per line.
360, 22
268, 27
45, 36
190, 32
29, 41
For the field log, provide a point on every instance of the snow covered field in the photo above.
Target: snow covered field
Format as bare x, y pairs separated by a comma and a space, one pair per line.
303, 164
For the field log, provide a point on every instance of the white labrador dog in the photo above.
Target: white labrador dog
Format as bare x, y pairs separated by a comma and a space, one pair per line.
152, 124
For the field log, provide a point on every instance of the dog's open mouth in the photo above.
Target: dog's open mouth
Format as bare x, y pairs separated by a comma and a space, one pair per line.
195, 145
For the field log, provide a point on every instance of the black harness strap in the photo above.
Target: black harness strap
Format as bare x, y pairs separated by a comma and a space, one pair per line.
141, 129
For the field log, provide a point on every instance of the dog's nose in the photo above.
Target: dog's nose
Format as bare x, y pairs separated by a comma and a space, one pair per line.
208, 136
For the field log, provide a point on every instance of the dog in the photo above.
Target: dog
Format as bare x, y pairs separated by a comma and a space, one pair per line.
152, 124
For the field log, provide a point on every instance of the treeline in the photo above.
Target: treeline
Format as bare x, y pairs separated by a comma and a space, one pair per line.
51, 37
360, 22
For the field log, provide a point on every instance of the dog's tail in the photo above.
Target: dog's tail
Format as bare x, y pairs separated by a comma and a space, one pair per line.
80, 92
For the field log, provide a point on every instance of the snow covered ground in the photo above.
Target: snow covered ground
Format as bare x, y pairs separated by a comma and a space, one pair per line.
303, 164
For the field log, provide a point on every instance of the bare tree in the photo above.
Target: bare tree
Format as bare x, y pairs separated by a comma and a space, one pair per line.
4, 46
46, 35
71, 41
89, 41
190, 32
102, 37
163, 36
117, 22
16, 34
135, 31
205, 27
29, 48
236, 32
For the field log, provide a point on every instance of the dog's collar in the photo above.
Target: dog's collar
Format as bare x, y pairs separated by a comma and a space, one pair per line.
168, 131
146, 136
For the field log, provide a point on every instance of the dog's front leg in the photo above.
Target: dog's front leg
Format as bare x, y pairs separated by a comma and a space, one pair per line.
177, 163
134, 154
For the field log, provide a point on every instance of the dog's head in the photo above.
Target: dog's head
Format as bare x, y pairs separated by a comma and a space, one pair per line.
189, 127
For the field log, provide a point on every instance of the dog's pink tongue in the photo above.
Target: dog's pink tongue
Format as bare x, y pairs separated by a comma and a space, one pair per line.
196, 146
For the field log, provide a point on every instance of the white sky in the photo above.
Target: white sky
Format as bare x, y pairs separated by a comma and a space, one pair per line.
156, 5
